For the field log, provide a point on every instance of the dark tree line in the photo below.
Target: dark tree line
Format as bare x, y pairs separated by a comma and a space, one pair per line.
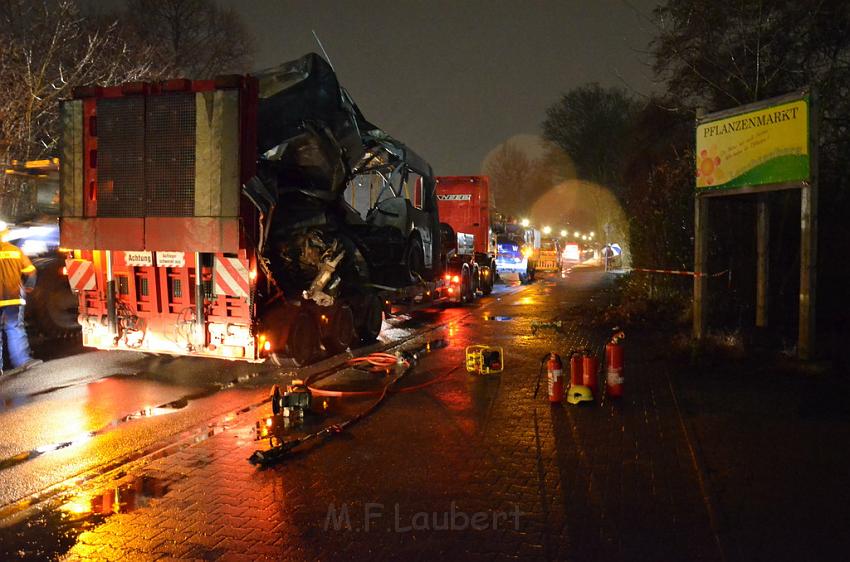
714, 56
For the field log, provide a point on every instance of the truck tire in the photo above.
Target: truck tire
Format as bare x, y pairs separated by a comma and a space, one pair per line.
466, 294
487, 285
302, 342
55, 314
414, 259
371, 319
340, 331
476, 281
52, 307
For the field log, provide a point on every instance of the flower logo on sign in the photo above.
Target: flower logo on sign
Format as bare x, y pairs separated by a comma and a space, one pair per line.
709, 171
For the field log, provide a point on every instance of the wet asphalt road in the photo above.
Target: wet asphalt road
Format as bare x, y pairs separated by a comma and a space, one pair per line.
90, 410
481, 446
76, 413
629, 479
451, 466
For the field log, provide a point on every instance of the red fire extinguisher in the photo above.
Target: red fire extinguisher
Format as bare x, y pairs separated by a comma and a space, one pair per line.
614, 365
575, 368
590, 370
555, 376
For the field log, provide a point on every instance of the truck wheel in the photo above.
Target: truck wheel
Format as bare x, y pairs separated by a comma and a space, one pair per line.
56, 313
302, 345
414, 259
340, 332
372, 318
487, 285
465, 286
52, 307
476, 281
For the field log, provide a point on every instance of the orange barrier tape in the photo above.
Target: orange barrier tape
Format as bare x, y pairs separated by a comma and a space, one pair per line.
685, 273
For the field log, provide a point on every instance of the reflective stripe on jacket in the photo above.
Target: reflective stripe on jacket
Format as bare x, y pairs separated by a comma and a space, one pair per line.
13, 264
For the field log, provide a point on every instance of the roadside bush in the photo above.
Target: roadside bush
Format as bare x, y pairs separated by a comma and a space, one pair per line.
641, 300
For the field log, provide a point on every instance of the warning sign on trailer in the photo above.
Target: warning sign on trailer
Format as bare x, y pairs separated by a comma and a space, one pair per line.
81, 274
170, 259
138, 259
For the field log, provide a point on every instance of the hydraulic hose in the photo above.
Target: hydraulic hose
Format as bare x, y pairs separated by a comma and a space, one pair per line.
278, 452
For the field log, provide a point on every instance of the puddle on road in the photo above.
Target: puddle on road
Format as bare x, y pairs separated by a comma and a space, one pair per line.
129, 495
52, 533
487, 317
11, 401
146, 412
160, 410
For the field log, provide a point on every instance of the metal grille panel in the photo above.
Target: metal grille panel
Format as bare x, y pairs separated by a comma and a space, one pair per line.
170, 155
120, 160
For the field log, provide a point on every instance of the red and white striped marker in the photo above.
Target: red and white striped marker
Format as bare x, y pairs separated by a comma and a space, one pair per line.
80, 274
231, 277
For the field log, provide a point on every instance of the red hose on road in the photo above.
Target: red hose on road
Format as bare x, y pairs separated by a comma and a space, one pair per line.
277, 452
377, 359
380, 360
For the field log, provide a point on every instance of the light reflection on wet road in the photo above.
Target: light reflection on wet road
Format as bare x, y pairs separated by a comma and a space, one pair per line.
75, 414
436, 426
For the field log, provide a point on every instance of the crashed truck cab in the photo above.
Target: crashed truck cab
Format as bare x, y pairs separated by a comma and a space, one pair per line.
163, 257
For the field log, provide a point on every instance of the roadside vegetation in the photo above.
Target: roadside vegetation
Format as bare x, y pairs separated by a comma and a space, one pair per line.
714, 56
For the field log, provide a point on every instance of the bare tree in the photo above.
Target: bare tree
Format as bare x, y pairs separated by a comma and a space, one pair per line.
48, 48
196, 38
510, 170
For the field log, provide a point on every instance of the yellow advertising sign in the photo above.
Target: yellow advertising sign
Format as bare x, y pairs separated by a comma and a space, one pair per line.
766, 146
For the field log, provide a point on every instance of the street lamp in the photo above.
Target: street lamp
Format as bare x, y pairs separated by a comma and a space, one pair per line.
576, 233
563, 234
592, 234
547, 230
584, 236
525, 223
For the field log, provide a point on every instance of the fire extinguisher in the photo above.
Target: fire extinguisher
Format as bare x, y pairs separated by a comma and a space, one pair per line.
590, 370
614, 365
575, 368
555, 377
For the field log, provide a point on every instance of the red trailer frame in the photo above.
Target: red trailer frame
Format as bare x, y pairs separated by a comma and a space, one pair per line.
174, 281
464, 204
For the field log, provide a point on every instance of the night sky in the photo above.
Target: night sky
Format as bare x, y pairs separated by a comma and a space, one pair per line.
454, 79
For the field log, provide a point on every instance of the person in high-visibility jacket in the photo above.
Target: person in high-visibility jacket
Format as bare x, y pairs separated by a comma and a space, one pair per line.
14, 265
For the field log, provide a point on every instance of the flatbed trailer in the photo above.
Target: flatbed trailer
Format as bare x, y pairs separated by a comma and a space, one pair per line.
454, 287
162, 258
169, 199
